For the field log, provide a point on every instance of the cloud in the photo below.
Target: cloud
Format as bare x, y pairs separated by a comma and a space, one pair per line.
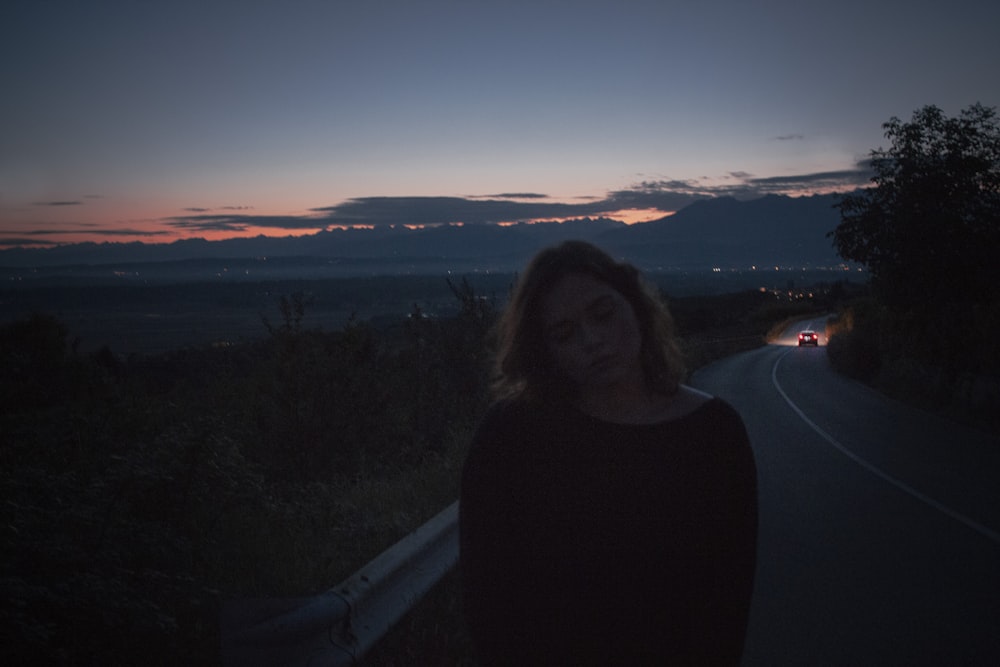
57, 203
35, 237
381, 211
672, 195
202, 209
124, 232
14, 241
90, 229
666, 195
241, 223
399, 211
859, 176
512, 195
790, 137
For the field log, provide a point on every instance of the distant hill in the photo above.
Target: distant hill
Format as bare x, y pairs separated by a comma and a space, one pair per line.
725, 232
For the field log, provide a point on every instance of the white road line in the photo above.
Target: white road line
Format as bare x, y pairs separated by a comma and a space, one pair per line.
927, 500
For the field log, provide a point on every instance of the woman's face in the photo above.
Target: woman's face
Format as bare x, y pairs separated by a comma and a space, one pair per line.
592, 332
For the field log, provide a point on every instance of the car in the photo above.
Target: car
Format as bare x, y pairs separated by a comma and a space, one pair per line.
808, 337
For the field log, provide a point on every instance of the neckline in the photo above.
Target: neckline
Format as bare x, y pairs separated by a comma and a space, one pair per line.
686, 403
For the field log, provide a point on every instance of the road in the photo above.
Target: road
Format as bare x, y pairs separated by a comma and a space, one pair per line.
879, 524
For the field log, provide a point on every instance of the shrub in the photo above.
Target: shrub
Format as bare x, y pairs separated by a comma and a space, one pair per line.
138, 495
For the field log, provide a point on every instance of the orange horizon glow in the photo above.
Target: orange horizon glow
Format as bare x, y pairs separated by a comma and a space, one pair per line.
152, 236
628, 216
632, 216
347, 228
144, 229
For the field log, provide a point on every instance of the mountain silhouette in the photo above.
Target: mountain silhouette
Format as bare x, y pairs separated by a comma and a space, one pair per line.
722, 232
725, 232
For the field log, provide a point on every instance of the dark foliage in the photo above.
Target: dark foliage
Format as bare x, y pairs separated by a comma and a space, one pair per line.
928, 230
137, 494
853, 336
929, 227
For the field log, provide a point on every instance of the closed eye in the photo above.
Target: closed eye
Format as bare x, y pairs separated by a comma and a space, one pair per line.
603, 309
561, 333
604, 314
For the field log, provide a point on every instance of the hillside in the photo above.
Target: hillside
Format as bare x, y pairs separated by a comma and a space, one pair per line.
725, 232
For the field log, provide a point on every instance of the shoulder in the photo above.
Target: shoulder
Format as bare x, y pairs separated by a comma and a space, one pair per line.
721, 424
508, 415
507, 426
709, 415
722, 416
496, 462
688, 400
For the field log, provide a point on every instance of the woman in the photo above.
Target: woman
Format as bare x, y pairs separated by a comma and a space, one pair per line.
608, 513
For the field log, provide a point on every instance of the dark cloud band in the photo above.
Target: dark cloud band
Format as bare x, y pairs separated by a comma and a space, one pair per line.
665, 195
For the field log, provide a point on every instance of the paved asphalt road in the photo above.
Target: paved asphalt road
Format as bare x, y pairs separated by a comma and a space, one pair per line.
879, 524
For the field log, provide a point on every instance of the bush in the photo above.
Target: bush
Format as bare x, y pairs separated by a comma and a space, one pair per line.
138, 495
931, 364
853, 337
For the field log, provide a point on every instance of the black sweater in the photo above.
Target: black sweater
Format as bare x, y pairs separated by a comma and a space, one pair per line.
590, 542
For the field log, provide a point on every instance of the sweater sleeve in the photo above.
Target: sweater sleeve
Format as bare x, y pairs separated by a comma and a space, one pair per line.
729, 591
493, 554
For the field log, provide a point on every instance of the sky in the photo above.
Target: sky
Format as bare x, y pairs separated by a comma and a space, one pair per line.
157, 121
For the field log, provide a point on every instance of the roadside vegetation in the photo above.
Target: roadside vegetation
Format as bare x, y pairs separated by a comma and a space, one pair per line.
139, 496
142, 496
928, 230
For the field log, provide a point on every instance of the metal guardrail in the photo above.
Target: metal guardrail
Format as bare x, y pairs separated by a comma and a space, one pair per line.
339, 626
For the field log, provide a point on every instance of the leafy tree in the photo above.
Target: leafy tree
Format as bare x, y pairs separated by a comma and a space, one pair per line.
929, 230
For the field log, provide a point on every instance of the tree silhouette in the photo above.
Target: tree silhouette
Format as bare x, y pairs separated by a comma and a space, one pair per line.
929, 229
929, 232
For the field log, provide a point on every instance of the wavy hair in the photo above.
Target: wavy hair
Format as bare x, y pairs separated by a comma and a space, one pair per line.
524, 365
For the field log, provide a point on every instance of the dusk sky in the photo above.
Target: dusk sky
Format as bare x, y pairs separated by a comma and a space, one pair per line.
125, 121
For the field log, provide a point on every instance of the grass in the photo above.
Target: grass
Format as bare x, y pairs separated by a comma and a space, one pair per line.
140, 497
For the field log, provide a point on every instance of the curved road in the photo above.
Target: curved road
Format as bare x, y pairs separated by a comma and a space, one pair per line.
879, 524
